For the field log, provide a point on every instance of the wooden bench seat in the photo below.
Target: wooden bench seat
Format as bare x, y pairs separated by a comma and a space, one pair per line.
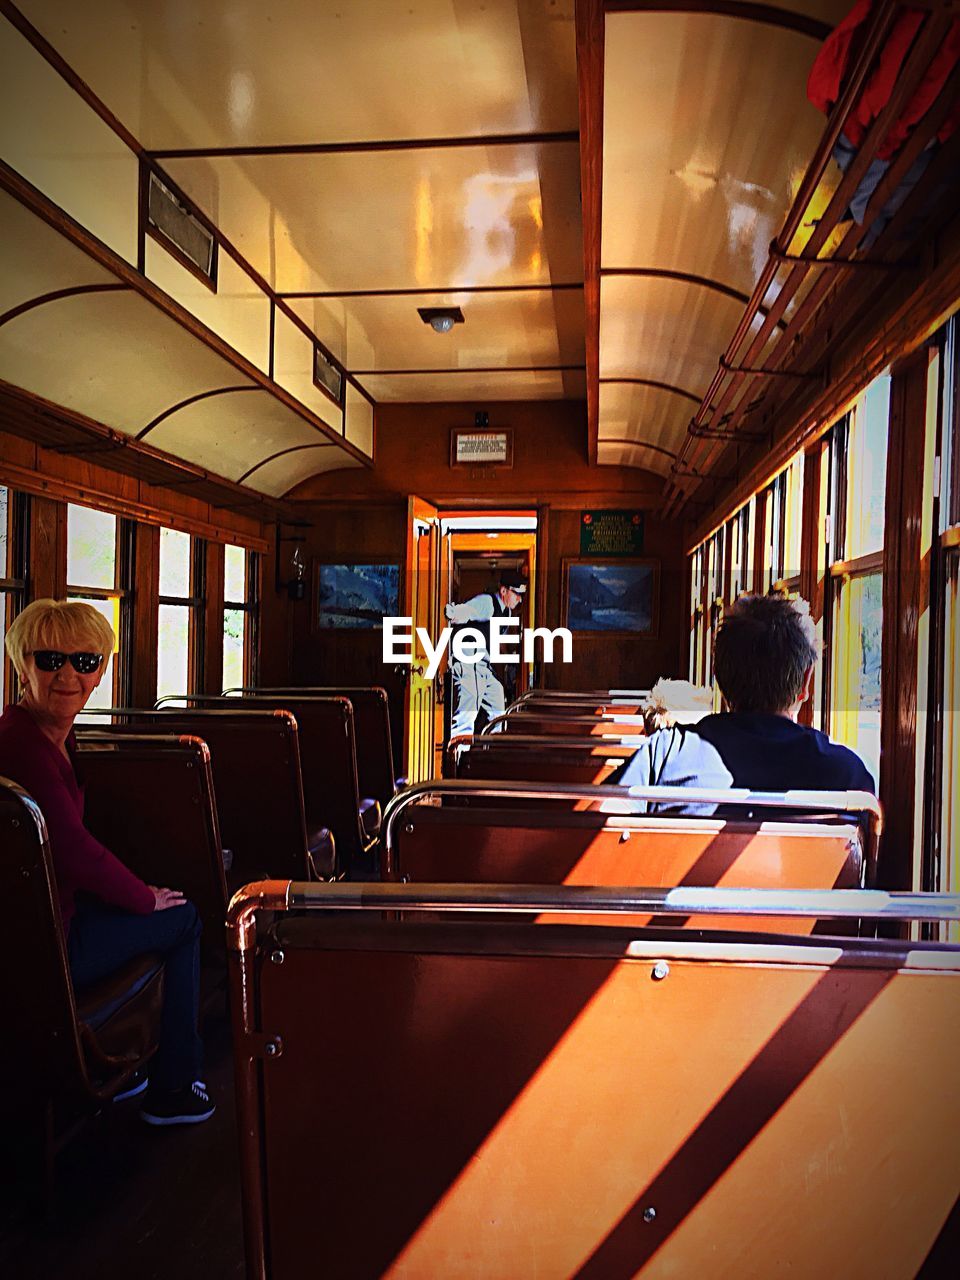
523, 757
577, 1101
255, 759
64, 1052
376, 774
328, 759
535, 843
150, 799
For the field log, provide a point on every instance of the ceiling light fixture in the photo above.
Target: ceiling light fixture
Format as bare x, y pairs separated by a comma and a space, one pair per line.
440, 319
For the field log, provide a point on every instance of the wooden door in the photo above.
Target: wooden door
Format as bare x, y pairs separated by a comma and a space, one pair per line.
422, 581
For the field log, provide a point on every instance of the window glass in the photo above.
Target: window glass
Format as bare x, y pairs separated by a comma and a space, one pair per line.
950, 804
856, 667
793, 519
102, 696
173, 650
234, 672
867, 471
174, 563
91, 548
234, 575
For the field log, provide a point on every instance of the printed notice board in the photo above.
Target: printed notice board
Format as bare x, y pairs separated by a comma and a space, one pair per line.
611, 533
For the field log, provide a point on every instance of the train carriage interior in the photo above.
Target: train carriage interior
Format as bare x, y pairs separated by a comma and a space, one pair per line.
330, 333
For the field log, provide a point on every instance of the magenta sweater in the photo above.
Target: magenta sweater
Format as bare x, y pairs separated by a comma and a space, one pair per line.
82, 863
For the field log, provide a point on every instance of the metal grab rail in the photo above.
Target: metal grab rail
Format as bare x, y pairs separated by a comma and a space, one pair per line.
823, 904
861, 803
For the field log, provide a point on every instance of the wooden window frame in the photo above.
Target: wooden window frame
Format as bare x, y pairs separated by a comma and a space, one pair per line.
14, 587
122, 592
196, 617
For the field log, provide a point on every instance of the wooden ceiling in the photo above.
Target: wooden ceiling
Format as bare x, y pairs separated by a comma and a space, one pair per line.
595, 185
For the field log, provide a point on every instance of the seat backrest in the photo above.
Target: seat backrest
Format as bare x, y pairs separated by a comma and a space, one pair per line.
42, 1050
539, 706
572, 726
547, 1103
534, 846
508, 757
328, 758
371, 722
151, 801
255, 759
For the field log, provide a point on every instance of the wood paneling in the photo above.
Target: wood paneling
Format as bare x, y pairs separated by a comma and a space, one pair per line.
356, 513
44, 472
213, 622
901, 612
549, 460
47, 574
145, 619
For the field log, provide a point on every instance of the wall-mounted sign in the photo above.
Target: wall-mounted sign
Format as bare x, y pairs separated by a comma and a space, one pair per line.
472, 448
611, 533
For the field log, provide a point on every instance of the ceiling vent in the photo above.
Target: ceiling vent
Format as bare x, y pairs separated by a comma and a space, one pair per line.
168, 215
327, 375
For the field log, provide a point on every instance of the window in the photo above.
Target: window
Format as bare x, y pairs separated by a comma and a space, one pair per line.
945, 874
94, 575
180, 622
738, 544
854, 611
13, 571
240, 616
697, 625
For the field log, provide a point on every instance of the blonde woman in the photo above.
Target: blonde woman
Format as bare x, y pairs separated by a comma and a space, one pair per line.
60, 651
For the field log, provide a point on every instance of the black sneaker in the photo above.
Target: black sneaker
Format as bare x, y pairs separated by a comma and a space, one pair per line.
134, 1086
189, 1105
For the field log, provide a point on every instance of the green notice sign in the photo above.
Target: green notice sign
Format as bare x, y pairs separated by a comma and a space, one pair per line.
611, 533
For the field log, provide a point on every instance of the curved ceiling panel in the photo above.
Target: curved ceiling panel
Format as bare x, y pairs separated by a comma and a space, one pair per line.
427, 218
179, 74
37, 260
487, 384
707, 190
624, 453
643, 414
231, 433
277, 477
663, 330
527, 328
128, 362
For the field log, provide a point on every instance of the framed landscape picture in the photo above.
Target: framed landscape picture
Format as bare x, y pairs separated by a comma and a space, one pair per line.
354, 596
613, 596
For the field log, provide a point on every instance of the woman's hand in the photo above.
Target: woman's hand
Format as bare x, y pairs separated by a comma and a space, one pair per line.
166, 898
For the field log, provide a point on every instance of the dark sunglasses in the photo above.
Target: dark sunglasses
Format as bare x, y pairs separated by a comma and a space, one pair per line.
53, 660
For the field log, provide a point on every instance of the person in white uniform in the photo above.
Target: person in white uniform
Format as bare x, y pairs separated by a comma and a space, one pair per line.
476, 684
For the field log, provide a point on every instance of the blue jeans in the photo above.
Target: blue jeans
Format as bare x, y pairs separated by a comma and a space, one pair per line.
102, 939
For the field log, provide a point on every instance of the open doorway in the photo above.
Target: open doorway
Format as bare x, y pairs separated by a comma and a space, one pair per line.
478, 547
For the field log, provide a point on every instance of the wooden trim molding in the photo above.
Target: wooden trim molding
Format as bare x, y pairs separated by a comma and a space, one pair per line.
42, 299
767, 14
590, 31
685, 277
901, 617
373, 144
427, 293
872, 562
650, 382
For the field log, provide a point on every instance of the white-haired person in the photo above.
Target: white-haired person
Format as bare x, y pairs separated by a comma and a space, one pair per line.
60, 651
